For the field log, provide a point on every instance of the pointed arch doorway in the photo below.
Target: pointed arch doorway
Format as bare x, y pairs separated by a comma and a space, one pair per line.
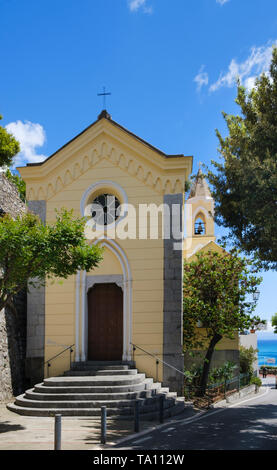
105, 322
86, 282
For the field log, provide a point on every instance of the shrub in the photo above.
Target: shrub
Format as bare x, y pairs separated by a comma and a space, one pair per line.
247, 356
223, 373
256, 381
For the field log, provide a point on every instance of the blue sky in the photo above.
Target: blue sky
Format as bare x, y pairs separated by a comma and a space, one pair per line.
171, 66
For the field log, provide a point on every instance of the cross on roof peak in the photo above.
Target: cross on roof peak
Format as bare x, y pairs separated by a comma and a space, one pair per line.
104, 94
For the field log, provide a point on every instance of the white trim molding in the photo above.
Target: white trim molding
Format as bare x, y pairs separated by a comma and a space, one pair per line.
199, 210
107, 185
77, 317
112, 278
125, 282
83, 316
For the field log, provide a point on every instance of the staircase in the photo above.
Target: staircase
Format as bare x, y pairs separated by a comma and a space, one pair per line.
88, 386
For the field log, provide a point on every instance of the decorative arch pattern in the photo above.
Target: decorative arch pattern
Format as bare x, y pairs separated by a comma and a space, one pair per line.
160, 184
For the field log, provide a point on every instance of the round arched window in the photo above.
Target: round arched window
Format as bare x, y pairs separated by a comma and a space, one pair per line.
104, 209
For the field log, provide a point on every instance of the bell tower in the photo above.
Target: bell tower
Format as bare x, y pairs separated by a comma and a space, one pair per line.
199, 216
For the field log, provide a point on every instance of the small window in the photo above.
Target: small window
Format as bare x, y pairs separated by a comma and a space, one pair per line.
199, 227
105, 208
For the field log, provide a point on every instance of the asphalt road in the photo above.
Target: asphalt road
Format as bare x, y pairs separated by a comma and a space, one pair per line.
248, 424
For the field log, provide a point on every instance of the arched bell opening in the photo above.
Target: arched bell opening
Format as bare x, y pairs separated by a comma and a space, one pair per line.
200, 225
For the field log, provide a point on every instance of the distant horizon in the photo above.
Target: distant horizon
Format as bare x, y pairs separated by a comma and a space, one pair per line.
266, 336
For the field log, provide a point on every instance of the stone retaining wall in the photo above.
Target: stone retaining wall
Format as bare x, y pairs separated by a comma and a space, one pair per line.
13, 348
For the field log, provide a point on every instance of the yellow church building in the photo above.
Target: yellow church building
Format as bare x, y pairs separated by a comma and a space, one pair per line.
129, 309
143, 276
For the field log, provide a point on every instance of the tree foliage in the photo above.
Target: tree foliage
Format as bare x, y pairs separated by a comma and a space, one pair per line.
222, 373
34, 252
247, 357
245, 183
218, 290
9, 147
274, 322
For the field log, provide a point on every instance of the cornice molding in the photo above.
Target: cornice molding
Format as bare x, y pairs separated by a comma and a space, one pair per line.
162, 181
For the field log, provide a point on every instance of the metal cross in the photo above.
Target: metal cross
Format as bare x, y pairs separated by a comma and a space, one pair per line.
104, 94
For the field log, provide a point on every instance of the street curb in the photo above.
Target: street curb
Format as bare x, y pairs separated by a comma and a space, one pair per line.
146, 431
190, 419
249, 390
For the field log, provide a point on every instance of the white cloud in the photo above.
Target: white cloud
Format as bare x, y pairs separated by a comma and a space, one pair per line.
135, 5
256, 63
202, 78
222, 2
30, 136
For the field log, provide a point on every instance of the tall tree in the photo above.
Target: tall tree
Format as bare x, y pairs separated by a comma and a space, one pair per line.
217, 302
274, 322
9, 146
245, 183
33, 252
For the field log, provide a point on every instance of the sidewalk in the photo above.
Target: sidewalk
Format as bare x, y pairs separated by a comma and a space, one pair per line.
270, 381
35, 433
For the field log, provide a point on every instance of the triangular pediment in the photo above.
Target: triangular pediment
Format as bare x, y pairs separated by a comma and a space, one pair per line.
106, 139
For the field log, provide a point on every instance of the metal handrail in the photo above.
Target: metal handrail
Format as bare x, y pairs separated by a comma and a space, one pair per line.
135, 346
48, 362
158, 360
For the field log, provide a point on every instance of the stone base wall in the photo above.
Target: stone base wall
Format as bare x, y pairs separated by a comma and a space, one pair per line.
13, 349
173, 298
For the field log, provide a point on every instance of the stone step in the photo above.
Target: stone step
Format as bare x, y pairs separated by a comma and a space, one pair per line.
120, 413
102, 364
85, 366
149, 404
178, 408
33, 395
136, 387
99, 372
87, 387
109, 380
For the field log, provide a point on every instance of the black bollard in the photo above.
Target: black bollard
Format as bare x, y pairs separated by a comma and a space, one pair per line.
103, 424
58, 432
161, 408
136, 416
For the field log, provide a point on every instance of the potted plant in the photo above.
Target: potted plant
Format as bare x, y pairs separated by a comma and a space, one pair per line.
257, 324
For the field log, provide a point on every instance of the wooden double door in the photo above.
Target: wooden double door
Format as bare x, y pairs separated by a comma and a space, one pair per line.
105, 322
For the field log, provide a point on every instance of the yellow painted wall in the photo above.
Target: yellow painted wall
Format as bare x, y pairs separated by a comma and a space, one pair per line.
102, 153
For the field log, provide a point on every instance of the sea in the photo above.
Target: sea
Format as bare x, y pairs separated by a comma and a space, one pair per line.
267, 354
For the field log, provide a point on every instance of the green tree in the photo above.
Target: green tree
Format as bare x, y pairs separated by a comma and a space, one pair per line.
9, 146
274, 322
245, 183
33, 252
217, 289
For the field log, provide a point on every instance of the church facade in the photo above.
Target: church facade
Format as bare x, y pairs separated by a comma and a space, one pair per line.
130, 307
